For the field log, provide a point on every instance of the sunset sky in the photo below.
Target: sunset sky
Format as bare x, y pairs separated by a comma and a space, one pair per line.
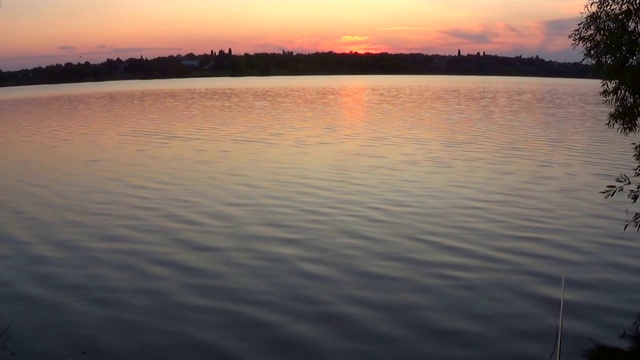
43, 32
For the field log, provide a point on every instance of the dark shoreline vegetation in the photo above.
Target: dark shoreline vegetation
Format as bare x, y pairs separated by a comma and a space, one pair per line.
600, 351
225, 63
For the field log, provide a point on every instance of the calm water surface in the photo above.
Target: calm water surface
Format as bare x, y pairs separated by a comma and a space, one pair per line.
311, 218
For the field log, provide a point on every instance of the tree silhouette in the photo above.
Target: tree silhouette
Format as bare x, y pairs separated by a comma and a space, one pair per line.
609, 33
222, 63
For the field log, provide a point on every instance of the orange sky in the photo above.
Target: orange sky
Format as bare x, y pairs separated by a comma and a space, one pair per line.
42, 32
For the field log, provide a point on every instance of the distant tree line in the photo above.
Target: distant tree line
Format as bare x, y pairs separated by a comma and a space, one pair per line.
225, 63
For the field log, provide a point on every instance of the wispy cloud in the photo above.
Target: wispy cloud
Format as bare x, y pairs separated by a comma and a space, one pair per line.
482, 36
108, 49
353, 39
512, 29
66, 47
496, 35
119, 50
402, 28
555, 33
560, 27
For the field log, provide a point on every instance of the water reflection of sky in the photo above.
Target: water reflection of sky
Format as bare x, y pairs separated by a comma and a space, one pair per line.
383, 207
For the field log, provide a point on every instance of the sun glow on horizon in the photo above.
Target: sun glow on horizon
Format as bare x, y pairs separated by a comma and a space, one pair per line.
46, 31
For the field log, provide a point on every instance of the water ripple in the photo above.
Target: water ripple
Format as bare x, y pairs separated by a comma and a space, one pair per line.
315, 217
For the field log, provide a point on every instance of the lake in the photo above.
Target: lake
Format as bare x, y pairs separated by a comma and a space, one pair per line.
343, 217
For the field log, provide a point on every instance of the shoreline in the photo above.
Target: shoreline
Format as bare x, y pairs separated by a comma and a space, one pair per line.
225, 64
